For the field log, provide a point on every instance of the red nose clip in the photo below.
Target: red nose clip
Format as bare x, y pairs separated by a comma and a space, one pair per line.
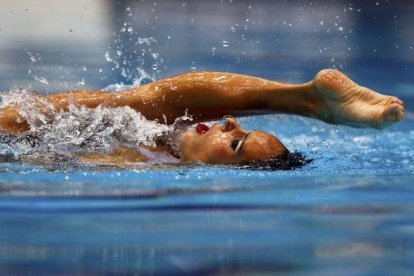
202, 128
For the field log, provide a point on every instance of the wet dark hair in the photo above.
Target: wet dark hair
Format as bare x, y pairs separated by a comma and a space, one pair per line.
289, 161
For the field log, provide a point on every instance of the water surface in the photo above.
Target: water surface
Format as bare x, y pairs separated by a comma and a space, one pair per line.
347, 212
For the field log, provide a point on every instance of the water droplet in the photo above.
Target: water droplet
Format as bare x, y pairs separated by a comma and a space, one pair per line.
108, 56
232, 29
225, 43
130, 30
32, 58
146, 40
321, 23
84, 68
128, 11
119, 52
340, 28
41, 80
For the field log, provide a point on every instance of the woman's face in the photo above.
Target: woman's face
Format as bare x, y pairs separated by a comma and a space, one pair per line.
228, 144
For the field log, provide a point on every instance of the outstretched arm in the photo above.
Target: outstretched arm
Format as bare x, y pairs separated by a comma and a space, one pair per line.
330, 96
204, 95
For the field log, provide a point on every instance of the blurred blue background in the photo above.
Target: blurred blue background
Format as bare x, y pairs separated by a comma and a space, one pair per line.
94, 43
348, 212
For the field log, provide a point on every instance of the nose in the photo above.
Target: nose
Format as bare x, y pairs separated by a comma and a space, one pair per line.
230, 124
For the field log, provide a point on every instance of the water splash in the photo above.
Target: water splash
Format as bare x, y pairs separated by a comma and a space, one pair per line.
143, 77
133, 58
59, 134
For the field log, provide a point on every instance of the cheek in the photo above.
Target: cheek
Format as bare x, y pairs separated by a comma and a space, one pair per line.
220, 154
189, 137
220, 151
187, 145
184, 141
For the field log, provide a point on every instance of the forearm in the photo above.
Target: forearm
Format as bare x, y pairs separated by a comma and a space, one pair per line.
12, 121
88, 98
13, 116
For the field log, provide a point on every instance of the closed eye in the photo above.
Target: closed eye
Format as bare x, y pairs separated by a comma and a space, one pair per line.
234, 143
237, 143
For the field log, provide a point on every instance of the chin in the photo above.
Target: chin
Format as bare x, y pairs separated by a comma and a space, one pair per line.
188, 144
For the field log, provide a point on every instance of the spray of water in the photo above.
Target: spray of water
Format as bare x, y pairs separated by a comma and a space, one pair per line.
59, 134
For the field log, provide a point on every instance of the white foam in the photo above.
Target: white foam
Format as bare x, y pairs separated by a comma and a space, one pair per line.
143, 77
79, 128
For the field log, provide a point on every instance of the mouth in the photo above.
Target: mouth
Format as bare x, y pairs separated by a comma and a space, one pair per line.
202, 128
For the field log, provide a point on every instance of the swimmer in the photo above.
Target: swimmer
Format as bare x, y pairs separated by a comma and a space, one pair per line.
330, 96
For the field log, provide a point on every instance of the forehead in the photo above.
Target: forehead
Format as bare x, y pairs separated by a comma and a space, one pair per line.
260, 137
260, 144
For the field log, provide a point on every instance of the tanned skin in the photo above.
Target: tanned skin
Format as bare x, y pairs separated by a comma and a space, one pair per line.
330, 96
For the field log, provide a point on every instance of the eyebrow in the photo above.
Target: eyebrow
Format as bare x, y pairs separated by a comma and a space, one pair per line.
239, 146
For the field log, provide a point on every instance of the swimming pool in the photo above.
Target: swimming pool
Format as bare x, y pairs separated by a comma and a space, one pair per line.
347, 212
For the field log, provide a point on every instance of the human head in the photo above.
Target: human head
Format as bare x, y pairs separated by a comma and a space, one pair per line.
218, 144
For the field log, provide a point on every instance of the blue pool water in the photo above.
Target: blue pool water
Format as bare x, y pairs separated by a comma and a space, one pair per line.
349, 211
